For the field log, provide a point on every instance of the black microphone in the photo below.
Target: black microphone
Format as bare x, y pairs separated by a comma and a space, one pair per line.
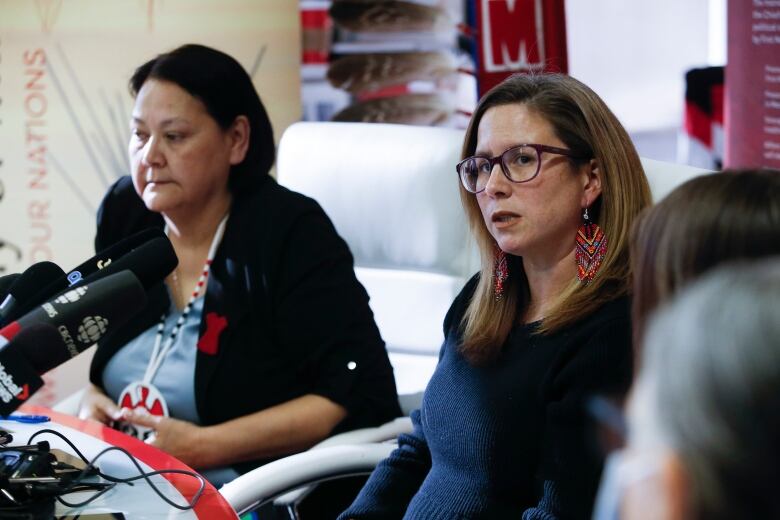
6, 282
43, 346
18, 379
27, 288
150, 262
112, 253
80, 317
84, 314
93, 268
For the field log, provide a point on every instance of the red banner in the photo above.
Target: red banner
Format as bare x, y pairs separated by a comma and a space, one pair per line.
517, 36
753, 84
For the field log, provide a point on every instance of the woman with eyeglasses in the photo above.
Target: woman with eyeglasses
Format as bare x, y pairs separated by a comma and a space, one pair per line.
551, 183
261, 343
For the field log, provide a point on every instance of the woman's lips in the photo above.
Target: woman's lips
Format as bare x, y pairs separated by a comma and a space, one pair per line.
504, 218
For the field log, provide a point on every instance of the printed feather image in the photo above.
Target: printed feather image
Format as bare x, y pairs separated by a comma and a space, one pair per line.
387, 16
372, 71
411, 109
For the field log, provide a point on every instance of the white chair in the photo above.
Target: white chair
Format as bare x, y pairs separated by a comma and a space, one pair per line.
392, 194
664, 177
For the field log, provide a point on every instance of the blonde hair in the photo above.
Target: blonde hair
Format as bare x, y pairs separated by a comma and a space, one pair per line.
585, 124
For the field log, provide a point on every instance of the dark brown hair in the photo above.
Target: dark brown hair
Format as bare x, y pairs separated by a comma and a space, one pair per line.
586, 126
702, 223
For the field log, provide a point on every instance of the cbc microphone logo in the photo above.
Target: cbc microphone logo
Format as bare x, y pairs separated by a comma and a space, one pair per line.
71, 296
92, 329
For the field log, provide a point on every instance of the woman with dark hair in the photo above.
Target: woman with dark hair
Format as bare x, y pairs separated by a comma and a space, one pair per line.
551, 183
703, 425
702, 223
275, 348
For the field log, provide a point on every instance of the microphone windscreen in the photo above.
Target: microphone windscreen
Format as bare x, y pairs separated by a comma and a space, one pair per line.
34, 278
6, 282
112, 254
26, 291
81, 316
93, 269
41, 346
150, 262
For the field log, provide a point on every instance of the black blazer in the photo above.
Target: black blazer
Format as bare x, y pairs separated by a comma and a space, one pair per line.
298, 321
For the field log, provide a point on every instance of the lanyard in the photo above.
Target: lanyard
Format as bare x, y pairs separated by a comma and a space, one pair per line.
160, 350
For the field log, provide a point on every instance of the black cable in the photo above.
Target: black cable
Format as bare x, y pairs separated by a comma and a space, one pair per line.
85, 502
141, 474
61, 436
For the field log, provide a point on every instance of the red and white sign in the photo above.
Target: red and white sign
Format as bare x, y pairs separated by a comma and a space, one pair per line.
517, 36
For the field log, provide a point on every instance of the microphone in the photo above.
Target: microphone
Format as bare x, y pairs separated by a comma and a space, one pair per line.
60, 329
18, 379
82, 315
27, 288
150, 262
112, 253
95, 267
6, 282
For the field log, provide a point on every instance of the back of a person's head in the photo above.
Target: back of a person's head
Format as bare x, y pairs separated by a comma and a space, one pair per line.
706, 221
226, 91
712, 360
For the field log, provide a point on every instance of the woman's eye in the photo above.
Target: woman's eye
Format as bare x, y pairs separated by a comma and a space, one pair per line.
173, 136
141, 136
523, 159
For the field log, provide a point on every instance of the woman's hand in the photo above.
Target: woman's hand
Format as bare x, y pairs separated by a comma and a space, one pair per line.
181, 439
97, 406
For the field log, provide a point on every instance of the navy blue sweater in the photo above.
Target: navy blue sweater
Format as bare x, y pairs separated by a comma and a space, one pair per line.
510, 439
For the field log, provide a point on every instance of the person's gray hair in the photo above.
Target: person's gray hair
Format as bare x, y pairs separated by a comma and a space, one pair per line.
712, 361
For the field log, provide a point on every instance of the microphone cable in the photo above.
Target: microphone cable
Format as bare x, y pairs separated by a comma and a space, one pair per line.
91, 469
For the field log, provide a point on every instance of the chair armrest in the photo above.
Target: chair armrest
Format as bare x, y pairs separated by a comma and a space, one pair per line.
386, 432
264, 483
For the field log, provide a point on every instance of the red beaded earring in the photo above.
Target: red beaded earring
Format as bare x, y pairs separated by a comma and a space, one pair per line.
500, 273
591, 249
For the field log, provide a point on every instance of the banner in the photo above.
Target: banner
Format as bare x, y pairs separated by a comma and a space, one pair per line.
753, 84
65, 105
518, 36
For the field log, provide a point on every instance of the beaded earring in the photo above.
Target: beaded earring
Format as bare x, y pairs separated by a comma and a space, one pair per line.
591, 249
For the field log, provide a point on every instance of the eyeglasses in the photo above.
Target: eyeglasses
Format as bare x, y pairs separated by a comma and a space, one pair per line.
520, 163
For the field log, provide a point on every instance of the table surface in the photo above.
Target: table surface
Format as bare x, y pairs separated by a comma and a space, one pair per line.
138, 500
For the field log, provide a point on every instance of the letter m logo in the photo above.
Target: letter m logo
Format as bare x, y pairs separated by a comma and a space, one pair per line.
512, 35
517, 36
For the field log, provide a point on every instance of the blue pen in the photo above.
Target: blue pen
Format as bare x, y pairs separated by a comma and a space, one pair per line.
30, 419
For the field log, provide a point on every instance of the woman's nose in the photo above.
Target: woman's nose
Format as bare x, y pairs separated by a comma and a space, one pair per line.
497, 184
152, 155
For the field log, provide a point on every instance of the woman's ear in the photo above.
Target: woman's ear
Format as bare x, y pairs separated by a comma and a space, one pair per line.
238, 134
591, 177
